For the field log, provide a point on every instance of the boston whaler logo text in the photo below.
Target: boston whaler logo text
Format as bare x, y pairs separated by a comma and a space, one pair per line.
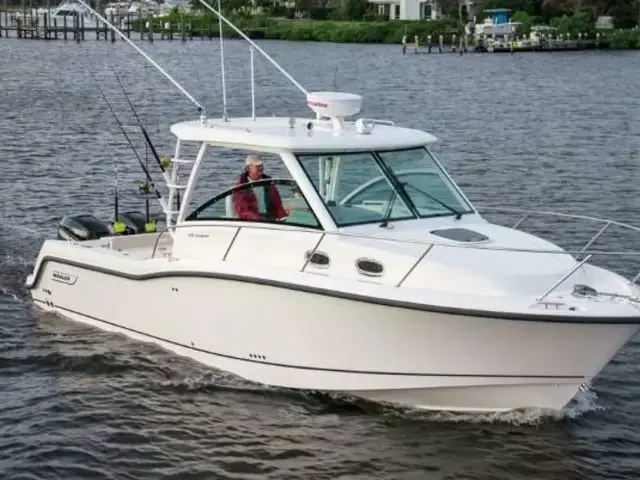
62, 277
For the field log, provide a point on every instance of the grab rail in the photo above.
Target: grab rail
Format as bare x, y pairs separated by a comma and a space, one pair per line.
607, 224
430, 245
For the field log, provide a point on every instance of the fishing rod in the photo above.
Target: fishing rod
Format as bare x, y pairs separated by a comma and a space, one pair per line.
147, 138
135, 114
118, 226
126, 135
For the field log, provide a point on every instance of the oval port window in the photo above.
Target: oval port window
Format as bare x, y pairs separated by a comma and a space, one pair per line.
370, 268
318, 259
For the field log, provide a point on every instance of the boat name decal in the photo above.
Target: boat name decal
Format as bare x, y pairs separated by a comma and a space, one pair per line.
62, 277
199, 235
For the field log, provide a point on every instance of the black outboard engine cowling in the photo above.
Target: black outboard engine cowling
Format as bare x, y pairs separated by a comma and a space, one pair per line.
134, 222
82, 227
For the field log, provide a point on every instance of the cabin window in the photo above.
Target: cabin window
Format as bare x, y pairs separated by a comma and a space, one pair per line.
369, 267
317, 259
354, 188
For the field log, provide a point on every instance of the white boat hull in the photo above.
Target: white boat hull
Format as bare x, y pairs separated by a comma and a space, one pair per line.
305, 340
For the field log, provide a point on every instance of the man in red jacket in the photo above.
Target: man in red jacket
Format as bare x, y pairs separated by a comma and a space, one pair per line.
266, 199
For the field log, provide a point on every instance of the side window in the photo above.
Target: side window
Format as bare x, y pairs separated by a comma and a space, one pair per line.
256, 195
213, 211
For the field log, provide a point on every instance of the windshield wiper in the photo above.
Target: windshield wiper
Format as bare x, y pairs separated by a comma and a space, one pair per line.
451, 209
387, 214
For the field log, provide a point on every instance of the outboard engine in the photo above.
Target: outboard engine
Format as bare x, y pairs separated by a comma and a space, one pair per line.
82, 227
134, 222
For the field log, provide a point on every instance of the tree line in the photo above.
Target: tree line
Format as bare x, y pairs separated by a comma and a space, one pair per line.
626, 13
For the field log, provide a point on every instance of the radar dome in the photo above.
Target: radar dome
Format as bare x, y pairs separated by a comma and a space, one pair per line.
334, 104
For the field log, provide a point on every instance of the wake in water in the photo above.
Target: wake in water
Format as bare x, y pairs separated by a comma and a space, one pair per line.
14, 269
15, 260
324, 403
584, 402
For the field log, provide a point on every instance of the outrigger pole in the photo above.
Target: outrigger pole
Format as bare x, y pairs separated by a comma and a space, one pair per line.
222, 18
254, 45
201, 109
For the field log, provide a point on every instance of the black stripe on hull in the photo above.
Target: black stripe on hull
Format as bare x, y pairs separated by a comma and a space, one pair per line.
305, 367
528, 317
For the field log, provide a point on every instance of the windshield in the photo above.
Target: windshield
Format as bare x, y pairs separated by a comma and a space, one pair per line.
376, 187
354, 188
425, 182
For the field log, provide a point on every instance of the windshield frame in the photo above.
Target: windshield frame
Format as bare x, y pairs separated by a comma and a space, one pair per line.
389, 175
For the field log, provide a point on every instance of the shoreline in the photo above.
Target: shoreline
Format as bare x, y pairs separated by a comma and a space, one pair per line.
364, 32
436, 34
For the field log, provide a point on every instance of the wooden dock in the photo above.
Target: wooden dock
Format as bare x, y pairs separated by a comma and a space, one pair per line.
461, 45
456, 44
23, 24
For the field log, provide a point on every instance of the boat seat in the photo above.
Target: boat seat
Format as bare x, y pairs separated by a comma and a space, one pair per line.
230, 212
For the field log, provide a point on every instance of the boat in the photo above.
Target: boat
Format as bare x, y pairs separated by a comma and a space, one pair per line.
68, 12
116, 9
380, 281
143, 8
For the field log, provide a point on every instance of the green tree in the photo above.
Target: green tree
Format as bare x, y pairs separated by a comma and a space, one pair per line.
525, 20
355, 9
228, 6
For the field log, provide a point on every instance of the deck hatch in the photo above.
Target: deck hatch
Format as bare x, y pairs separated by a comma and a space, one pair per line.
460, 235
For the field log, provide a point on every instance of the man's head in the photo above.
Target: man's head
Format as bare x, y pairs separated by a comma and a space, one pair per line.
253, 164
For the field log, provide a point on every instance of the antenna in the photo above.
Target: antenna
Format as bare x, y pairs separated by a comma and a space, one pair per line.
222, 18
141, 52
224, 86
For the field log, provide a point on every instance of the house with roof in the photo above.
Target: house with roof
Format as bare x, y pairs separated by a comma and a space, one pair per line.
408, 9
417, 9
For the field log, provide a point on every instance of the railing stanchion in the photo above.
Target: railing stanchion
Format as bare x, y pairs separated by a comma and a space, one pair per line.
233, 240
155, 244
596, 236
306, 262
567, 275
415, 264
517, 224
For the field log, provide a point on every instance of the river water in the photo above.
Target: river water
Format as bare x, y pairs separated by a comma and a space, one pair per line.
551, 130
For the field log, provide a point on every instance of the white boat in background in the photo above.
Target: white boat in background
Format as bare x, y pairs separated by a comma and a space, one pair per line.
116, 9
382, 280
143, 8
68, 12
168, 6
